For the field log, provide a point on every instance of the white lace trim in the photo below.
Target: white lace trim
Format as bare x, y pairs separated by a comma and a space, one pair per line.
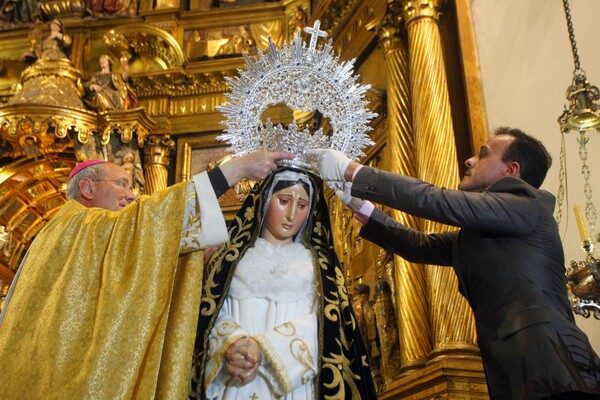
277, 273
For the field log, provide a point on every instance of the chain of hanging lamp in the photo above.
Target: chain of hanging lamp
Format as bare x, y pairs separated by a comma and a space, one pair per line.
581, 113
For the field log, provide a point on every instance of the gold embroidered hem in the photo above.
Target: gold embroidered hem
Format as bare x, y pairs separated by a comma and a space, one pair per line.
275, 365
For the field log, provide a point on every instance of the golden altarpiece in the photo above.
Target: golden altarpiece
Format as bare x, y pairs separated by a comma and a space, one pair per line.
168, 61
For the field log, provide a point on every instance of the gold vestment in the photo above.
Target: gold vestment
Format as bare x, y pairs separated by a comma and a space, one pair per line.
101, 309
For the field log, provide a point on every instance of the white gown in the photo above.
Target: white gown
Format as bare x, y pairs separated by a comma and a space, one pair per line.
272, 298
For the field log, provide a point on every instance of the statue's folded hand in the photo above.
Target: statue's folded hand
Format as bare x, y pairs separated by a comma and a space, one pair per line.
242, 361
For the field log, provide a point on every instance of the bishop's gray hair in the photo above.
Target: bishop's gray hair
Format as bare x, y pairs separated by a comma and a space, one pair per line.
93, 172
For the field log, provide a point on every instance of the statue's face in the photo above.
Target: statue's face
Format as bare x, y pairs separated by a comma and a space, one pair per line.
104, 62
286, 213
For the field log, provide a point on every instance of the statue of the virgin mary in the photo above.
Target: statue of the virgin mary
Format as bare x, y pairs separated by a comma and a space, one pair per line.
279, 283
275, 319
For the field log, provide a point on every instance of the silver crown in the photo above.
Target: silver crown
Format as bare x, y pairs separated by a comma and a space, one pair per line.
306, 79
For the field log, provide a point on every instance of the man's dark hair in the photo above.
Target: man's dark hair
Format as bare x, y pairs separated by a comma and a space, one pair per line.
530, 153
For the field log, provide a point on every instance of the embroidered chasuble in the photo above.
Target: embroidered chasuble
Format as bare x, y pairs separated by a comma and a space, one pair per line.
105, 308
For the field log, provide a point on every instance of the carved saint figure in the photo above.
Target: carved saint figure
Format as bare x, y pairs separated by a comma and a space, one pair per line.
108, 90
19, 11
55, 46
109, 7
131, 164
298, 20
365, 316
387, 328
239, 43
275, 319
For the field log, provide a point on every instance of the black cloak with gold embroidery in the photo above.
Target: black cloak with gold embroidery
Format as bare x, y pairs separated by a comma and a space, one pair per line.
343, 365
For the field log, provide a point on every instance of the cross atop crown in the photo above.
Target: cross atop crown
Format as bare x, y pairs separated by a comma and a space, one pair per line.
315, 33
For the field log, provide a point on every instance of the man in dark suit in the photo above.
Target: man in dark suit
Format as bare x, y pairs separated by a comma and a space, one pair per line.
507, 256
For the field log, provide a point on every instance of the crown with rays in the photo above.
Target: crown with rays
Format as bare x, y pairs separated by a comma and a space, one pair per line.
305, 78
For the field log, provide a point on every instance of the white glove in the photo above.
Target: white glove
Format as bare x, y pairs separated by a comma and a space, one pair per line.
332, 164
351, 202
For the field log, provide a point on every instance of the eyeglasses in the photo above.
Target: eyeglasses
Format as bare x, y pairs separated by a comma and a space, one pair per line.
122, 183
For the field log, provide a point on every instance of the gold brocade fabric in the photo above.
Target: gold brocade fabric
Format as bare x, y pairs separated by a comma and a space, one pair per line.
101, 310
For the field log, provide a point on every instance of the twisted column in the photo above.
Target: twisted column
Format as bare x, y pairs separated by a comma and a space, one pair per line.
452, 323
399, 157
156, 157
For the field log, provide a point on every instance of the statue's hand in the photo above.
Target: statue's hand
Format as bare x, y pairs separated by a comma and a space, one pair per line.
242, 361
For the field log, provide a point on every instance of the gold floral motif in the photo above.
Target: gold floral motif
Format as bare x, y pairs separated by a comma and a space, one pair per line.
286, 329
339, 366
225, 328
300, 351
193, 224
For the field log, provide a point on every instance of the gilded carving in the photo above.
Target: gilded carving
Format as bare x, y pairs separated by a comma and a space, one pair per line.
182, 84
413, 9
155, 48
218, 43
63, 8
156, 162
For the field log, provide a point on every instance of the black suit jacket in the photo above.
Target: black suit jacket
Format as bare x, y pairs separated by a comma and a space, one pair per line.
509, 262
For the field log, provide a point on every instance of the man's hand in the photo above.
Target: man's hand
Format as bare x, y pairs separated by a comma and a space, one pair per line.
242, 361
255, 166
334, 165
351, 202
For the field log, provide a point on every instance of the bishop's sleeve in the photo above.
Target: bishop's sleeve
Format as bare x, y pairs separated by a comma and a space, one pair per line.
203, 221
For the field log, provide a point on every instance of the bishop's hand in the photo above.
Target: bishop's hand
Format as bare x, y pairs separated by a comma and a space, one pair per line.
254, 166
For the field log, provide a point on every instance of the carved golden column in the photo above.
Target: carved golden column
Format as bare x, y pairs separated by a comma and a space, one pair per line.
410, 279
156, 157
452, 323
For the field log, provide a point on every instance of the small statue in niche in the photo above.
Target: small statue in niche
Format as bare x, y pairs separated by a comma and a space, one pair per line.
239, 43
19, 11
29, 146
108, 90
131, 100
56, 46
4, 241
387, 327
109, 7
298, 20
365, 316
130, 162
